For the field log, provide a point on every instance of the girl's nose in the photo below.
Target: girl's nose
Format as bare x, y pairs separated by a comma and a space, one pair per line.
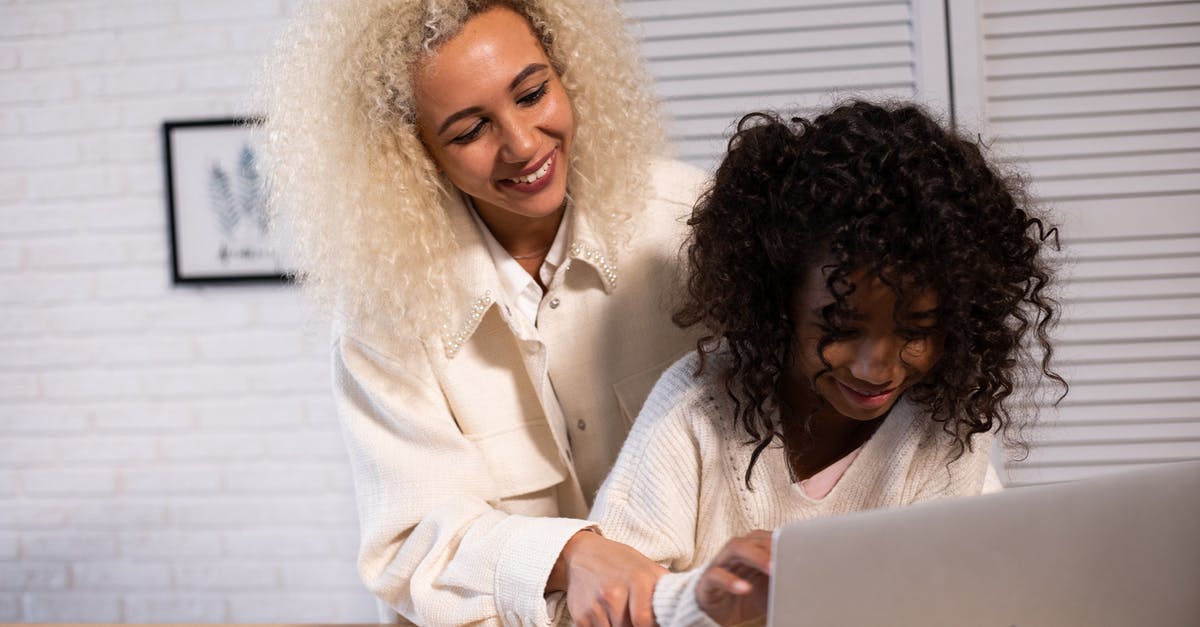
875, 361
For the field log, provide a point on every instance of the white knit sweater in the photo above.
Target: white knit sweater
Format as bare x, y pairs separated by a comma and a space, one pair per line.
677, 492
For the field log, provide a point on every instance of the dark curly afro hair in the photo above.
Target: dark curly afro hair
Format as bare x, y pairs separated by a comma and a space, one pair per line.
888, 190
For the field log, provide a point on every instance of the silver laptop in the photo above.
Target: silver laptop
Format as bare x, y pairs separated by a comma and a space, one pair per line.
1122, 549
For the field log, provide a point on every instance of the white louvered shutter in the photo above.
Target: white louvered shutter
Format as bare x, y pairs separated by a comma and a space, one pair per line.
715, 60
1100, 100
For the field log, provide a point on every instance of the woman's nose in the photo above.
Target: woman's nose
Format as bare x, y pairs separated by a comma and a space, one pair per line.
519, 141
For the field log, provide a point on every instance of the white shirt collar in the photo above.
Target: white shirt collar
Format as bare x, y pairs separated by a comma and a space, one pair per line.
519, 287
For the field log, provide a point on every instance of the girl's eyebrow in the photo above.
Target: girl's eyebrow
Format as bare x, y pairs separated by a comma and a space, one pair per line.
532, 68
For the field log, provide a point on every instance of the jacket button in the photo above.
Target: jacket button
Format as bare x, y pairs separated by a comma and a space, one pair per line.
581, 424
554, 303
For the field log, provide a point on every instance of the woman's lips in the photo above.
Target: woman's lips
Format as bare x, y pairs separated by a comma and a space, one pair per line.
542, 175
864, 399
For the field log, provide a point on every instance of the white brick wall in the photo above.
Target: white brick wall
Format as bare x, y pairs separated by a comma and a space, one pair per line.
166, 454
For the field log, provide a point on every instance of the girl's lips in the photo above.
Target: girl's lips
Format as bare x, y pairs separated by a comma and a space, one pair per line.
550, 164
867, 401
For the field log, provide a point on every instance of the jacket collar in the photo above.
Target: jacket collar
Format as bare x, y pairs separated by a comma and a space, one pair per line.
475, 284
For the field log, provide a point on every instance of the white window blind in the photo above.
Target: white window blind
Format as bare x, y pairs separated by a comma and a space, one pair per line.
714, 60
1099, 100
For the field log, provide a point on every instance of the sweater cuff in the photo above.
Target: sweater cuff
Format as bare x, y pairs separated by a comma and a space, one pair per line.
524, 566
675, 603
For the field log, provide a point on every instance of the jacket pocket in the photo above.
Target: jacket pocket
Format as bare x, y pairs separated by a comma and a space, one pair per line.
523, 459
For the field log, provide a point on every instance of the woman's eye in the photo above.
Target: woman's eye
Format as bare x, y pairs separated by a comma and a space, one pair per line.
916, 334
470, 134
534, 95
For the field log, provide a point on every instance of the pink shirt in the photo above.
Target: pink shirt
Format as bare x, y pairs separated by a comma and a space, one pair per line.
818, 485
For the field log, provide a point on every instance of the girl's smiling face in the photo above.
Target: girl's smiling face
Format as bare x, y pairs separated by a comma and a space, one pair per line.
875, 354
495, 117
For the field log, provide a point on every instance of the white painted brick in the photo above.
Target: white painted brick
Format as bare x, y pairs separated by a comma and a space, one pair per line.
345, 543
110, 450
195, 382
12, 257
171, 481
321, 411
43, 419
37, 88
92, 384
227, 10
96, 318
37, 219
143, 213
225, 575
10, 608
75, 252
226, 75
121, 14
142, 417
46, 287
147, 249
9, 57
121, 576
137, 112
121, 147
68, 545
175, 608
32, 515
8, 483
279, 416
170, 544
177, 41
144, 180
10, 122
186, 312
17, 386
276, 478
12, 188
253, 37
332, 510
32, 153
142, 350
69, 481
73, 118
10, 545
22, 451
27, 21
344, 607
82, 182
28, 577
132, 283
292, 377
42, 353
222, 512
330, 574
319, 445
72, 50
109, 514
72, 607
341, 480
244, 346
192, 447
277, 543
21, 321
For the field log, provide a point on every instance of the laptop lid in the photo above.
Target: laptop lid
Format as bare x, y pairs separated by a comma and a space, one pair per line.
1122, 549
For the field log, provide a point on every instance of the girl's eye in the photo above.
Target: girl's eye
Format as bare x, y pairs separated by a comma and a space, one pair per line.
915, 334
838, 334
470, 134
534, 95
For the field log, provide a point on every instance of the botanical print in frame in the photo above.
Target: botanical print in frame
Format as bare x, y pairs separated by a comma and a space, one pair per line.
216, 201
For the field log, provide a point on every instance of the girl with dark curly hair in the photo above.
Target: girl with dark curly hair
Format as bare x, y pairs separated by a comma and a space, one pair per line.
872, 294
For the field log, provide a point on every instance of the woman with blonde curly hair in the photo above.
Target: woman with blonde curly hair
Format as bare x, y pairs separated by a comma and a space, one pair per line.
472, 190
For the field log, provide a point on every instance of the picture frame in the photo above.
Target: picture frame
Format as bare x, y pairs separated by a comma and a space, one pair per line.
216, 204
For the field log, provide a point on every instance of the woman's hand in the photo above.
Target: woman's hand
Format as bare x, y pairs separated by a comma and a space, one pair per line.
607, 583
733, 588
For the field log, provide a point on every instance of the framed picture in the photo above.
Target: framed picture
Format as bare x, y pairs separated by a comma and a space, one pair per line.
216, 203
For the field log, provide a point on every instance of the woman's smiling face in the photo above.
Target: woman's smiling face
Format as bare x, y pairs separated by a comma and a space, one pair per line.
495, 118
874, 356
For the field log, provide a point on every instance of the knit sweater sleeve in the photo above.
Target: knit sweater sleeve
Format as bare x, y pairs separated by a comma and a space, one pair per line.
649, 500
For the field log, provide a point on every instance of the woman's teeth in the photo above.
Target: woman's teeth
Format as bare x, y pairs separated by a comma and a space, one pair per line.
535, 176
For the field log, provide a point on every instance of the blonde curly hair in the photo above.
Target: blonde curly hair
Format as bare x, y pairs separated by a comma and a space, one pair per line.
354, 188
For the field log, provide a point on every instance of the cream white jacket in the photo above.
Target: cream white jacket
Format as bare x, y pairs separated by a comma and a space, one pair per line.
678, 493
466, 486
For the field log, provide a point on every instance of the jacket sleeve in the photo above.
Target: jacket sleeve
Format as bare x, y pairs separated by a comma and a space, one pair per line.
435, 546
650, 499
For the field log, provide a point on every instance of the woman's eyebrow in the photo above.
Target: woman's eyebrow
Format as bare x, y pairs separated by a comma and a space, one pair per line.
532, 68
458, 115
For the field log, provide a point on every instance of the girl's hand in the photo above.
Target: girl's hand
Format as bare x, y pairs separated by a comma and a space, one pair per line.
607, 583
733, 588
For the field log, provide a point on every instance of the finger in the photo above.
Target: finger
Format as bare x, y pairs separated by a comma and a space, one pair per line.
746, 553
641, 603
728, 581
